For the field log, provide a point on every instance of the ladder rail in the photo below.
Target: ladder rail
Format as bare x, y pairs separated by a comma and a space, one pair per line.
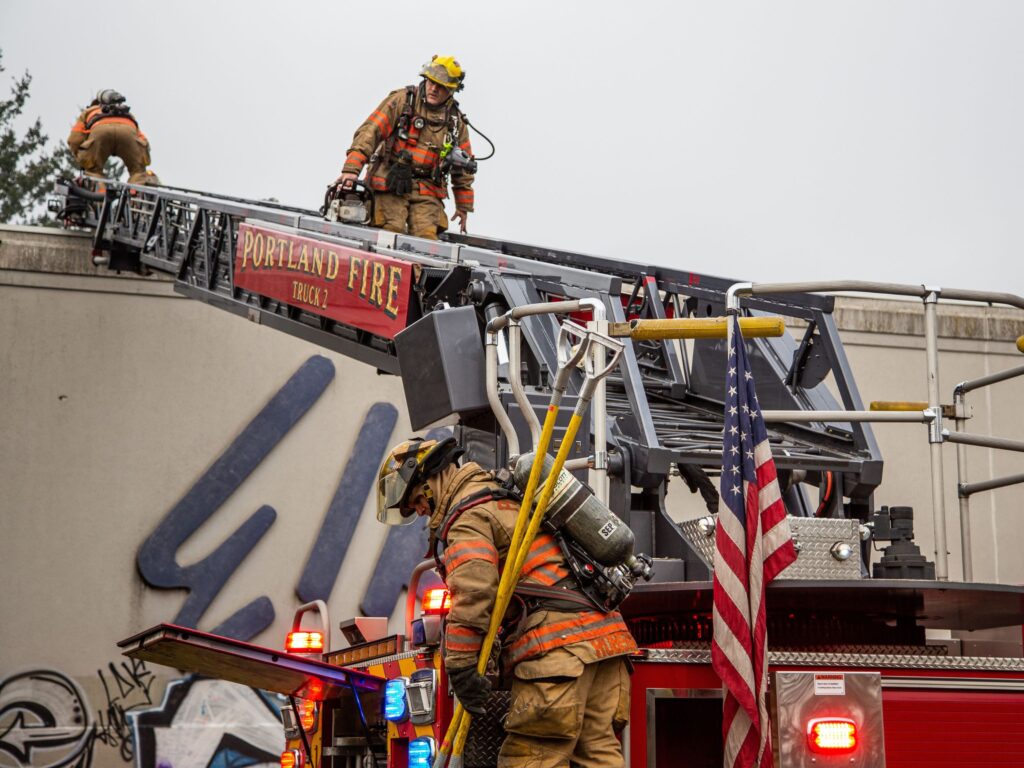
192, 236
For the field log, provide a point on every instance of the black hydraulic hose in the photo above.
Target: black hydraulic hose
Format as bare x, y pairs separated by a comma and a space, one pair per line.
477, 130
85, 194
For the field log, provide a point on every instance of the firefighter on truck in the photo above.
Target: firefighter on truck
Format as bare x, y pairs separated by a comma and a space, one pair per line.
567, 660
409, 147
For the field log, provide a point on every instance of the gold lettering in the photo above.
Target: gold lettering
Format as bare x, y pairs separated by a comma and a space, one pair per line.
246, 247
394, 281
271, 247
354, 266
291, 246
366, 278
376, 298
318, 261
309, 294
332, 266
257, 257
304, 260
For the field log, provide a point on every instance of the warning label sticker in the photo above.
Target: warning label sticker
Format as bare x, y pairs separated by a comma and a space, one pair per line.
829, 685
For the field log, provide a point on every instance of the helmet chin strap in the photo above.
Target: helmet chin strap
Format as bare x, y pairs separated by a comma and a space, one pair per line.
428, 494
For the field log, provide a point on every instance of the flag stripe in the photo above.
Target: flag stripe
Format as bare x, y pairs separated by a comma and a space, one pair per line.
752, 545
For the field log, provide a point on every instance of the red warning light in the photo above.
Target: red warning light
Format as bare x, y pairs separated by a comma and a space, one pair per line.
304, 642
307, 714
832, 735
292, 758
314, 689
437, 600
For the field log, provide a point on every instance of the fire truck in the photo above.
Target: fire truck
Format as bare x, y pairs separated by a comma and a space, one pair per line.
480, 330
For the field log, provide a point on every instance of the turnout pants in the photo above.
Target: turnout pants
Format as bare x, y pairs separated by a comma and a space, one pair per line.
412, 214
571, 718
119, 140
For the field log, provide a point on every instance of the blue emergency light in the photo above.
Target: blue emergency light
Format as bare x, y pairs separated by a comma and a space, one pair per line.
395, 708
421, 752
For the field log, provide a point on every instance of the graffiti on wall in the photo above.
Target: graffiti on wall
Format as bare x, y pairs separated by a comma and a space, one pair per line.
211, 723
157, 561
46, 721
126, 686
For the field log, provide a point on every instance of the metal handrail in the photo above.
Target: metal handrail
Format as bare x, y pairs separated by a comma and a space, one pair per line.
930, 296
965, 489
867, 286
915, 417
983, 381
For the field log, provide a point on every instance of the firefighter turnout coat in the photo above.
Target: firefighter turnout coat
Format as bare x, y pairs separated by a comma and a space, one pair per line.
96, 136
475, 546
570, 687
422, 132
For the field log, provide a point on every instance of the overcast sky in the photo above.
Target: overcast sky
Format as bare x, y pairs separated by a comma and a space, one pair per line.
756, 140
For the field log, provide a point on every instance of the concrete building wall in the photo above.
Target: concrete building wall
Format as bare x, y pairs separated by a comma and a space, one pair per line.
120, 407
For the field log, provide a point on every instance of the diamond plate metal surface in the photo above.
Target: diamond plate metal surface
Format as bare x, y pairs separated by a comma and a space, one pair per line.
814, 538
486, 732
881, 661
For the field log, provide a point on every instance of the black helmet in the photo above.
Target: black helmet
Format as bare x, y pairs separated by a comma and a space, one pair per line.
109, 97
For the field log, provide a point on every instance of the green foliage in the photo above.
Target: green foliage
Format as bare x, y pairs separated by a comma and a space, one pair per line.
27, 165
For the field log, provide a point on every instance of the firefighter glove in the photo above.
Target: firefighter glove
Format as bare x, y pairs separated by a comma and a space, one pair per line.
399, 180
471, 688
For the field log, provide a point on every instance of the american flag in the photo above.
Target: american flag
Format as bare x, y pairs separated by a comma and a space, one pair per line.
752, 545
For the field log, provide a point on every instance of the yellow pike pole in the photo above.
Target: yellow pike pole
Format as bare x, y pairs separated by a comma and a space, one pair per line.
695, 328
510, 575
569, 357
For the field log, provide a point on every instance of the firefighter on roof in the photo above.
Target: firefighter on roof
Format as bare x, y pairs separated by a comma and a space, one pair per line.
410, 146
106, 127
570, 682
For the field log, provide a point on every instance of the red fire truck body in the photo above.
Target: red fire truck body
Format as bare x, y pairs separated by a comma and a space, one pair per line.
386, 698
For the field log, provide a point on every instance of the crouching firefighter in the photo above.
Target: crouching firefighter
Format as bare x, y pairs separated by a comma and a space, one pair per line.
105, 128
566, 658
412, 144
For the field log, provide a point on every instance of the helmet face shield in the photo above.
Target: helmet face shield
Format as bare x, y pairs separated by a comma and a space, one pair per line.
391, 491
398, 472
406, 467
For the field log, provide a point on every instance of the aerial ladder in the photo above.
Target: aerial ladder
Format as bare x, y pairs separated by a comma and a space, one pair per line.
663, 406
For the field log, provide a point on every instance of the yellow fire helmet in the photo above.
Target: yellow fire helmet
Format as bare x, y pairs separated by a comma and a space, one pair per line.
444, 70
407, 466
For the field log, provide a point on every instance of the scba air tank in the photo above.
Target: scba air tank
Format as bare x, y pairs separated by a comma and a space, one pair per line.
575, 510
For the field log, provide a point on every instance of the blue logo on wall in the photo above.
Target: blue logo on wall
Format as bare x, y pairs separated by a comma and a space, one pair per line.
204, 580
